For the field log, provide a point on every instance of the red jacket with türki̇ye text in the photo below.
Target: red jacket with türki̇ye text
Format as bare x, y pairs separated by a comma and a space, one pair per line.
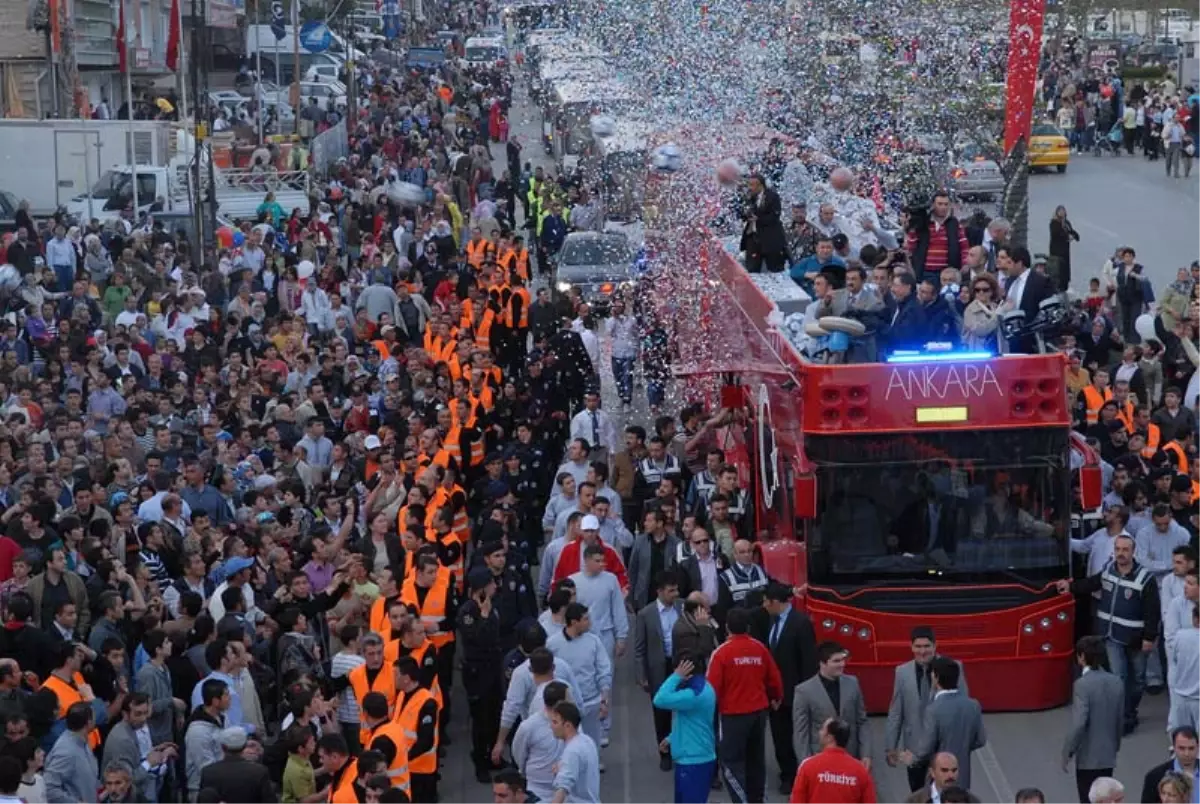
744, 675
832, 777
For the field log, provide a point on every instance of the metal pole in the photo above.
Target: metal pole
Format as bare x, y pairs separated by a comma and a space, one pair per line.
296, 60
351, 83
199, 130
208, 151
129, 106
258, 74
179, 74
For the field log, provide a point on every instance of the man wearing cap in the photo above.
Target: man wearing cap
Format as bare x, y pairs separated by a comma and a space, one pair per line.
235, 778
514, 599
482, 655
570, 558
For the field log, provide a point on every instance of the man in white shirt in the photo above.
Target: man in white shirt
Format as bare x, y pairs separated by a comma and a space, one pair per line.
596, 427
1098, 547
622, 330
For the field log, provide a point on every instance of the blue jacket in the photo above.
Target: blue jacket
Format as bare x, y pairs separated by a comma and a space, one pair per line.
693, 741
554, 232
811, 265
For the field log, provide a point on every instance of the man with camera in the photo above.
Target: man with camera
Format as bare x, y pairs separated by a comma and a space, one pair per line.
935, 238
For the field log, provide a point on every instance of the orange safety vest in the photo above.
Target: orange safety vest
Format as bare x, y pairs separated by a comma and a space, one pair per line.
461, 526
1125, 416
1094, 402
1181, 461
476, 251
523, 264
526, 300
400, 763
418, 656
385, 683
377, 620
452, 443
438, 350
441, 458
434, 610
485, 397
382, 347
467, 319
457, 567
407, 715
343, 792
1195, 491
483, 333
68, 695
1153, 436
455, 367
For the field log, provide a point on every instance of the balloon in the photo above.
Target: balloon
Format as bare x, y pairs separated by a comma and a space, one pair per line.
305, 269
225, 237
238, 237
1145, 327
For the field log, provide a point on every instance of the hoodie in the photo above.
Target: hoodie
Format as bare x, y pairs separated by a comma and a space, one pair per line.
202, 746
693, 703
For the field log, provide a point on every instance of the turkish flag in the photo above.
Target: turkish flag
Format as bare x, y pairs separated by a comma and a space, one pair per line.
122, 45
173, 38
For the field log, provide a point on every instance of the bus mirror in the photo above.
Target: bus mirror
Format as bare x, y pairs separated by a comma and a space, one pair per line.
1091, 487
805, 494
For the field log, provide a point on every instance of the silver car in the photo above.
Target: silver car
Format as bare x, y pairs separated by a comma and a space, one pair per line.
973, 173
598, 263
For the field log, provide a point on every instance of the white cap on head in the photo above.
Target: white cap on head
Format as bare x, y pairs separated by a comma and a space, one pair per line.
372, 442
589, 523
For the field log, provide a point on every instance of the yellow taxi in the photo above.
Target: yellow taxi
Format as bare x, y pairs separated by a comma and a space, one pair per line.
1048, 148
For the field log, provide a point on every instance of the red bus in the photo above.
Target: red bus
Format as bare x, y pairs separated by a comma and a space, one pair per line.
930, 490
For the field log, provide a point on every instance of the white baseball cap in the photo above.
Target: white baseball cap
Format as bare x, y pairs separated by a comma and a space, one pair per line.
372, 442
589, 523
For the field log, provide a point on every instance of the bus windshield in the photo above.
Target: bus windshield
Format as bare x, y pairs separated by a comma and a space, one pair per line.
984, 505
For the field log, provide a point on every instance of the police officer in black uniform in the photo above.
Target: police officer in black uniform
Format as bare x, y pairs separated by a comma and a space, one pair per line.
482, 655
514, 598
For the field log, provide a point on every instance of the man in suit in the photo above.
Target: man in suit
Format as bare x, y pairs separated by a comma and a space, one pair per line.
701, 571
943, 774
70, 769
911, 694
653, 650
763, 238
953, 722
1097, 717
904, 323
235, 778
830, 694
1025, 288
122, 747
793, 643
1184, 743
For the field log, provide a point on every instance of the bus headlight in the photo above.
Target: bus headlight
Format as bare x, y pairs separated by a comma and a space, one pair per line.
1045, 622
1027, 628
1063, 616
827, 624
846, 629
1046, 647
864, 633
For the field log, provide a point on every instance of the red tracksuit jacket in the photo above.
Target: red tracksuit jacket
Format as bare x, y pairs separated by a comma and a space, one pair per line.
833, 777
744, 675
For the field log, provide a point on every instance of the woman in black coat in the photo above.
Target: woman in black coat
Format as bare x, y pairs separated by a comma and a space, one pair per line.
1061, 235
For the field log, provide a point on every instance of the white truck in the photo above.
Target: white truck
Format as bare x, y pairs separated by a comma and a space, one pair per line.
239, 192
49, 162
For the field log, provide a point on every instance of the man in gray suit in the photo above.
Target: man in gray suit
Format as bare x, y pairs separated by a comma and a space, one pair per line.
830, 694
1097, 720
121, 747
953, 722
652, 650
911, 695
70, 769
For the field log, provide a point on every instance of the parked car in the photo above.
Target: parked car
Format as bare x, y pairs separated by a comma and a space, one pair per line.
973, 173
329, 95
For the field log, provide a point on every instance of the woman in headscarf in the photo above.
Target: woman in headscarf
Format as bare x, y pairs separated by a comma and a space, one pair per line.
1173, 306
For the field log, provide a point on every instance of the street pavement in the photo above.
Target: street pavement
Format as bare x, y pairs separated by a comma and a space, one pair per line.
1119, 201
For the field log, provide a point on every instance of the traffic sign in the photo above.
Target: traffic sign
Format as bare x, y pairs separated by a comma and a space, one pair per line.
315, 37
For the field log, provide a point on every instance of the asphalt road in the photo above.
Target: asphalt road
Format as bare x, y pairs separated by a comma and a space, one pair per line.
1119, 201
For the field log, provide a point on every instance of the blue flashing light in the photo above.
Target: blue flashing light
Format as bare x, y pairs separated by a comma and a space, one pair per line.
939, 357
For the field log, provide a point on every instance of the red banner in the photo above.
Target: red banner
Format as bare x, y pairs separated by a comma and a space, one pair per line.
1024, 51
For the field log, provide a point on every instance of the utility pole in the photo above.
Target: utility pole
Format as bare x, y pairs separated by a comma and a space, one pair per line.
199, 134
208, 151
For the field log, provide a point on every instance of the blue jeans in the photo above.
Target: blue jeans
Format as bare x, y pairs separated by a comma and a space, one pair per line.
64, 276
656, 392
1128, 662
692, 782
622, 368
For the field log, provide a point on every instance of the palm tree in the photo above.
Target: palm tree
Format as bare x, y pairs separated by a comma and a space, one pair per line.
1015, 203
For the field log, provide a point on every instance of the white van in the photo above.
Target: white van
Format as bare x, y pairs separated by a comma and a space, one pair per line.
482, 51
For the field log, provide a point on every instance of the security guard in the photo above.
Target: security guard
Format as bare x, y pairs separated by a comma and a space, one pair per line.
432, 593
387, 737
743, 579
1127, 616
514, 599
417, 716
479, 633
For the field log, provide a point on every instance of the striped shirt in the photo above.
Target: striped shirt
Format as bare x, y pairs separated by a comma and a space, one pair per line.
341, 665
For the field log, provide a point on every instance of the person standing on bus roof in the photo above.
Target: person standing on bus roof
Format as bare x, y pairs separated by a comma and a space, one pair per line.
1127, 616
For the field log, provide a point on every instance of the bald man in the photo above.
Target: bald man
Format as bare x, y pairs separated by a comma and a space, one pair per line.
943, 773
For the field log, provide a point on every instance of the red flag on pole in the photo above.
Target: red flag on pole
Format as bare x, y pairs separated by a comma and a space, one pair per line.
122, 45
173, 38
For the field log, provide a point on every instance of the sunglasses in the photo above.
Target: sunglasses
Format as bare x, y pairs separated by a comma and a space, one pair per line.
700, 541
983, 289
